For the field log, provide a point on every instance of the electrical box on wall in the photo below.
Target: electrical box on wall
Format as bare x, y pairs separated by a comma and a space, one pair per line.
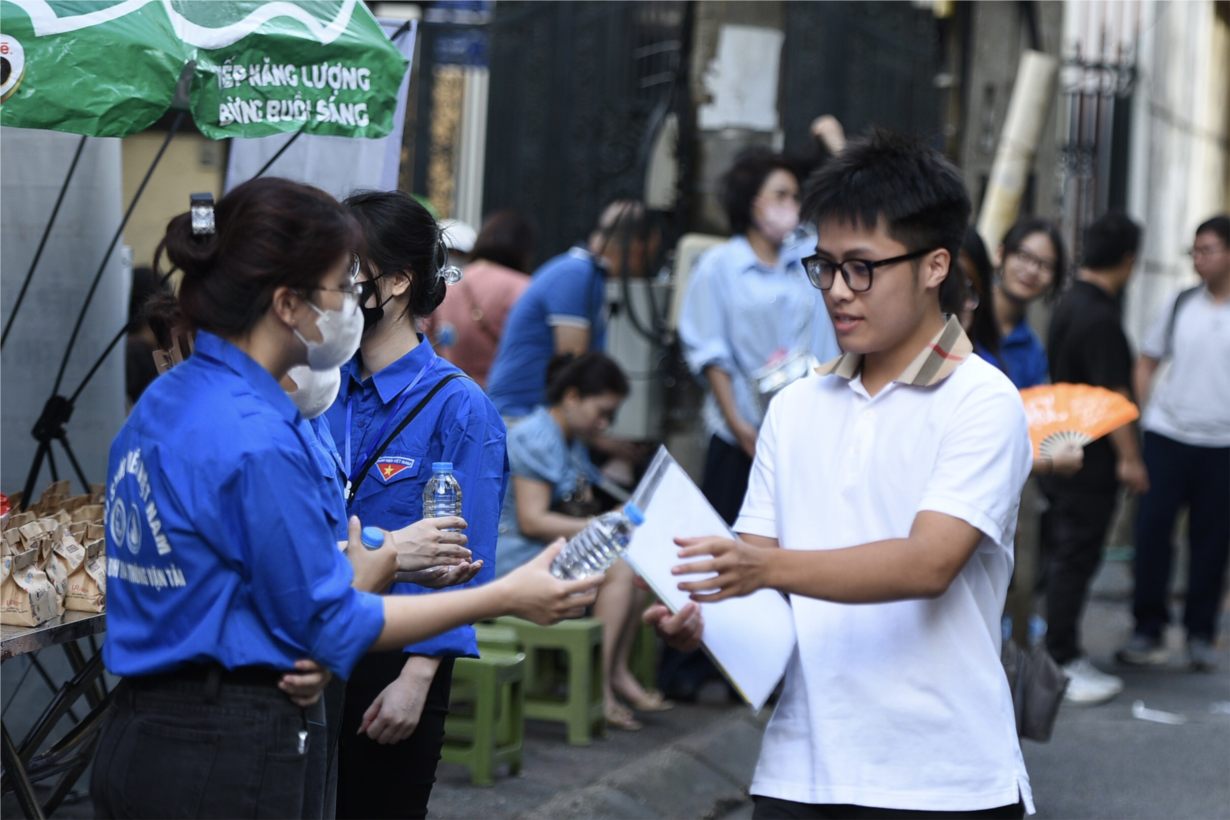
642, 414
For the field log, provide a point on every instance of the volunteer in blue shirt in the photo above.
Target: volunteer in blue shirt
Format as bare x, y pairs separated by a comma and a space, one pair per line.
223, 564
396, 702
1031, 264
564, 308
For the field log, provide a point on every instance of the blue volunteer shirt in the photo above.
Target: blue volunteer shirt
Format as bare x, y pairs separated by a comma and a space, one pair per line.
567, 291
329, 468
459, 425
1024, 357
220, 545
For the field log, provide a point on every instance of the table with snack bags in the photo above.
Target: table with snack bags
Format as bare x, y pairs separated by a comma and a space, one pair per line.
53, 592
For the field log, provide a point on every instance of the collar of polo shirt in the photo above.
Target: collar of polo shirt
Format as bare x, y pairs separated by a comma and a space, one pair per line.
932, 365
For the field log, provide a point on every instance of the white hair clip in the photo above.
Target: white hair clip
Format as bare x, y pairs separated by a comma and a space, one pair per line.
202, 209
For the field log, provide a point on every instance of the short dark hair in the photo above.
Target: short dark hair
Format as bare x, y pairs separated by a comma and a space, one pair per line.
916, 191
269, 233
1219, 225
742, 183
1027, 227
508, 238
1107, 240
402, 236
590, 374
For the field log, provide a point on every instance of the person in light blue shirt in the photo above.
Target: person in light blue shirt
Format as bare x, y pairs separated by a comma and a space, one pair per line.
223, 566
749, 304
551, 496
564, 308
396, 702
1032, 264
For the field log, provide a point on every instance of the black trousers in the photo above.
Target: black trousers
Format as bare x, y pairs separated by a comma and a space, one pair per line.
393, 781
1075, 528
1197, 477
175, 748
771, 808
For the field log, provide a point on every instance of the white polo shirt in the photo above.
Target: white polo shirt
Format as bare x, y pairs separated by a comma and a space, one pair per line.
1191, 404
902, 705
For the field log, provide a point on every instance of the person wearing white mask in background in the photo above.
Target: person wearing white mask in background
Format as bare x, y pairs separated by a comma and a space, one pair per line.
749, 306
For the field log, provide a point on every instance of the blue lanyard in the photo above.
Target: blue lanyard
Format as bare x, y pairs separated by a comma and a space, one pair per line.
402, 397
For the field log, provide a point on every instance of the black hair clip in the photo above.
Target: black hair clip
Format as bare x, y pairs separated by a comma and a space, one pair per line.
202, 210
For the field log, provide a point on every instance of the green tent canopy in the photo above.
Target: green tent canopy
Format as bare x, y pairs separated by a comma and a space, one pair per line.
246, 69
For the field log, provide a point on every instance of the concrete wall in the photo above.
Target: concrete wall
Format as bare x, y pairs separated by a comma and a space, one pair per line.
1180, 154
192, 164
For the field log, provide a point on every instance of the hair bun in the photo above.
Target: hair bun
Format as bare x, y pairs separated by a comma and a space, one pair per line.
192, 254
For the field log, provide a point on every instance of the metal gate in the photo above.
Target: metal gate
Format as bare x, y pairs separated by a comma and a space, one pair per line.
867, 63
578, 93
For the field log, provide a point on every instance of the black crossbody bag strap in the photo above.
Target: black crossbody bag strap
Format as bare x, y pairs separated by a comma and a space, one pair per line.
418, 408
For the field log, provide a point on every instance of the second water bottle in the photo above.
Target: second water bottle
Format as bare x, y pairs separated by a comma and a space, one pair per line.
599, 545
442, 495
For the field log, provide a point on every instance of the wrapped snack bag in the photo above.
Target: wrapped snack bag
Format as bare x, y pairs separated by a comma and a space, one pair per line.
19, 519
88, 513
98, 493
76, 502
87, 585
27, 598
62, 555
78, 531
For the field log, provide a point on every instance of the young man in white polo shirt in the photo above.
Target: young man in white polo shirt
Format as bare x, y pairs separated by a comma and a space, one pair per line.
890, 482
1187, 454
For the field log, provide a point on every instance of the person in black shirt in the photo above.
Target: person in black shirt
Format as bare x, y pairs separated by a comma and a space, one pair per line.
1087, 346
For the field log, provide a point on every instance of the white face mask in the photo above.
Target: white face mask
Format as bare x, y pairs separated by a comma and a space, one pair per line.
340, 333
316, 390
777, 220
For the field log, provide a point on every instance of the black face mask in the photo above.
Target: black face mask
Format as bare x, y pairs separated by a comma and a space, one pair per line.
371, 315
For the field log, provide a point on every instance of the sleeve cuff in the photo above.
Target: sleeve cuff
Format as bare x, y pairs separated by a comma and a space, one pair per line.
970, 515
756, 525
564, 320
347, 638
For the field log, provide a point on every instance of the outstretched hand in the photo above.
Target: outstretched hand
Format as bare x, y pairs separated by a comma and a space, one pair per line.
442, 577
533, 593
683, 630
739, 568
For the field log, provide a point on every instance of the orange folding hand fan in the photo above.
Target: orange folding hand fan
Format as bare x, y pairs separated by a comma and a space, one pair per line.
1079, 413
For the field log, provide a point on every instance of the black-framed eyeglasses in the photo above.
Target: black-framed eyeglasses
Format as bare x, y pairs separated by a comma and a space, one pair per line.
822, 272
352, 280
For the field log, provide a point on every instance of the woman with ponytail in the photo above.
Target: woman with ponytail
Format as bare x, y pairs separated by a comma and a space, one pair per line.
223, 564
402, 408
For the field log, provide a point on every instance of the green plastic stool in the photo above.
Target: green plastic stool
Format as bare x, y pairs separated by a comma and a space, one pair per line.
643, 660
578, 644
493, 636
486, 721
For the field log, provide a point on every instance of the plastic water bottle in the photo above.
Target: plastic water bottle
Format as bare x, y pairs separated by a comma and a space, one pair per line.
372, 537
599, 545
442, 495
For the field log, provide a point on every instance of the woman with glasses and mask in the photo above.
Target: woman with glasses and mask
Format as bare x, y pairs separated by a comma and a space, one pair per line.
1031, 264
402, 408
224, 564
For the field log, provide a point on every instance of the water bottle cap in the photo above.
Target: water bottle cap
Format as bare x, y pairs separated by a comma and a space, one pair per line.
634, 513
373, 538
442, 467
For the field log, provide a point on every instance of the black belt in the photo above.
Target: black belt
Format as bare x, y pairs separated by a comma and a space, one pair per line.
213, 674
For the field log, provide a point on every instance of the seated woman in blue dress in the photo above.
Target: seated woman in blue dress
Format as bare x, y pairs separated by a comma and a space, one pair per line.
551, 496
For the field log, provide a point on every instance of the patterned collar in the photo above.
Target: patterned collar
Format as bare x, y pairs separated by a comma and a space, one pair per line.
932, 365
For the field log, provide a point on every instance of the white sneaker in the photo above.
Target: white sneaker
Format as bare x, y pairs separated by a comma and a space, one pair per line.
1087, 685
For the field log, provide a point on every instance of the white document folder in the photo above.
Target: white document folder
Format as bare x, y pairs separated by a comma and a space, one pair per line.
750, 639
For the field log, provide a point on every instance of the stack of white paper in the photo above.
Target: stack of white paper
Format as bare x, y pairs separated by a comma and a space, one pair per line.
750, 639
